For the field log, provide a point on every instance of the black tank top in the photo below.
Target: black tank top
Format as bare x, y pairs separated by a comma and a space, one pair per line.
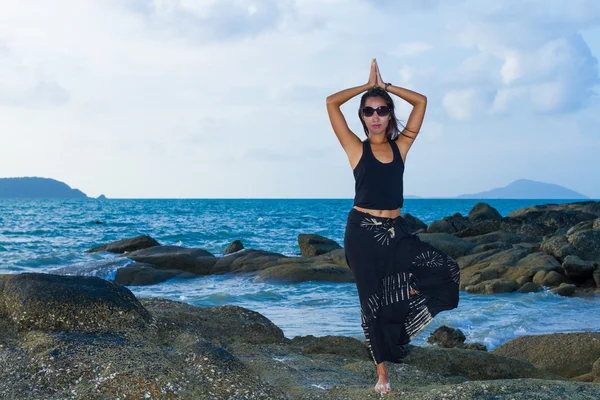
378, 185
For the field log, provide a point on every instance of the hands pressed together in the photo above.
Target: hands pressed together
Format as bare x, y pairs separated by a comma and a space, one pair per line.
375, 79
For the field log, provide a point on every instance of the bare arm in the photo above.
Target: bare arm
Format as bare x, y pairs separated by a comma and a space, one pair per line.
348, 139
415, 119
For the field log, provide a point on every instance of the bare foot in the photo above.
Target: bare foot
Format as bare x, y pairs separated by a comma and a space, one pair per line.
383, 384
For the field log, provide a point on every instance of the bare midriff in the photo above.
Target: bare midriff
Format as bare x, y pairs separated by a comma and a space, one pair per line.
380, 213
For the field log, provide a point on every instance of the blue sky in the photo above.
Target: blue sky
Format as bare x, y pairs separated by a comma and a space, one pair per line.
183, 98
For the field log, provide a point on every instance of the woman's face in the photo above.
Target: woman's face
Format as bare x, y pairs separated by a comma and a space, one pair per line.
376, 124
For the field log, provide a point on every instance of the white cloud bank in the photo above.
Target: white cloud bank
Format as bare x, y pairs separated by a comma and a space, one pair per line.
182, 98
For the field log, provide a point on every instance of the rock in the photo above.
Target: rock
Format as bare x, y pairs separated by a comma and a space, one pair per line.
494, 286
523, 280
499, 236
564, 289
582, 226
196, 261
552, 279
480, 228
344, 346
490, 246
558, 246
474, 365
483, 211
538, 278
596, 276
596, 370
227, 323
475, 346
577, 269
596, 224
528, 287
449, 244
234, 246
451, 224
141, 274
564, 354
125, 245
248, 260
292, 273
314, 245
414, 223
587, 244
447, 337
70, 303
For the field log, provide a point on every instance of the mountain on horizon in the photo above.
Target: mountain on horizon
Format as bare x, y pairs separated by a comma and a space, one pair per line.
526, 189
37, 188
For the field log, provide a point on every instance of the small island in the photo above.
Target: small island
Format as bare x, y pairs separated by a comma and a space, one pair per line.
37, 188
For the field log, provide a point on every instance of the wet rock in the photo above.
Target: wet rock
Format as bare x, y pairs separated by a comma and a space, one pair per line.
125, 245
483, 211
447, 337
70, 303
141, 274
577, 269
248, 260
292, 273
528, 287
234, 246
196, 261
564, 289
494, 286
553, 278
314, 245
523, 280
564, 354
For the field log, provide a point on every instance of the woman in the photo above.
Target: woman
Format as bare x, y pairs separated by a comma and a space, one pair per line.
402, 282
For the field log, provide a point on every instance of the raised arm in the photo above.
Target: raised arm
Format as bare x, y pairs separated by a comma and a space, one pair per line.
415, 119
348, 139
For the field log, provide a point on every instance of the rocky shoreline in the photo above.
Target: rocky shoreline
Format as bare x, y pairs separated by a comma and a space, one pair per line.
76, 337
554, 246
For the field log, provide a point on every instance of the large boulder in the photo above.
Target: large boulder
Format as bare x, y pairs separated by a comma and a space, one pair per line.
414, 223
234, 246
564, 354
70, 303
449, 244
586, 244
341, 345
196, 261
558, 246
248, 260
480, 228
296, 272
452, 224
577, 269
141, 274
483, 211
125, 245
312, 244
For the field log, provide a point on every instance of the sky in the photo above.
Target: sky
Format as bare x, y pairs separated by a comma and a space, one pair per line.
226, 98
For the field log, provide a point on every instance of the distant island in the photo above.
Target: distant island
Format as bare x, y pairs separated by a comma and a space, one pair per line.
527, 189
37, 188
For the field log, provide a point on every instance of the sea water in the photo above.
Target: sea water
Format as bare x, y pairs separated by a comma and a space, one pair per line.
51, 235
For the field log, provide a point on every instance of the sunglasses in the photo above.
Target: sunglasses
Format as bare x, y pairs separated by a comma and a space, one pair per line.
382, 111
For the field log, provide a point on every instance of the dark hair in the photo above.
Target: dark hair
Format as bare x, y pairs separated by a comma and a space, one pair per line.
392, 130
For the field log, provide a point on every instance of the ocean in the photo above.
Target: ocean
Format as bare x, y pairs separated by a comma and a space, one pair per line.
51, 235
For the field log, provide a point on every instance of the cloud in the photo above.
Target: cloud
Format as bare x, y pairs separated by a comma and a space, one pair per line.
535, 60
